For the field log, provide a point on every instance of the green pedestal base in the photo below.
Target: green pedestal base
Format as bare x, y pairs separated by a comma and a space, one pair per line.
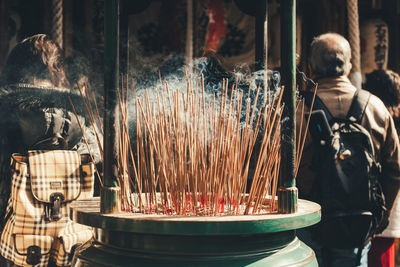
296, 253
127, 239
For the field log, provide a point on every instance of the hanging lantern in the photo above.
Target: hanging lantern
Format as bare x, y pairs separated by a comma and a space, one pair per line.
374, 37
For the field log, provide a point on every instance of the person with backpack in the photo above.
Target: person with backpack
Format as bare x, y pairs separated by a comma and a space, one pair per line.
36, 113
385, 84
351, 159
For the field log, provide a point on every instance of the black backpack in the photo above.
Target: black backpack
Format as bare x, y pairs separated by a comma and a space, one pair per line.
347, 188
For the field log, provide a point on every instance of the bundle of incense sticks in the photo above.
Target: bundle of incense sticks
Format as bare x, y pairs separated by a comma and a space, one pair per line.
195, 155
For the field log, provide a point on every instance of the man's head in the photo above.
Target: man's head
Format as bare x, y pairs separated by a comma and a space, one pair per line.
330, 56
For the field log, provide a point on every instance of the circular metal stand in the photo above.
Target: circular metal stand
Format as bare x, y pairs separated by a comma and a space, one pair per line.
129, 239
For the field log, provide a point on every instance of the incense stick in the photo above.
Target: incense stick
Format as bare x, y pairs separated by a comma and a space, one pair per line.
193, 154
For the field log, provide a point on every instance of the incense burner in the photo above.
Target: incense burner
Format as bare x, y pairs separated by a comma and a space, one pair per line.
133, 239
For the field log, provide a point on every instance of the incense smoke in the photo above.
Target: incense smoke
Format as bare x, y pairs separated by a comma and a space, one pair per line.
177, 76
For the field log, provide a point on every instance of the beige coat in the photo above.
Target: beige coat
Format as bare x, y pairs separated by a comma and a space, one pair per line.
337, 94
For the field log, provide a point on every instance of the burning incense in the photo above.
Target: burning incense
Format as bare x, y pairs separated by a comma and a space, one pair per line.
194, 155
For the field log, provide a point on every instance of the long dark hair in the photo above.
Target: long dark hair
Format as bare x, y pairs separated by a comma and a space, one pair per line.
385, 84
35, 58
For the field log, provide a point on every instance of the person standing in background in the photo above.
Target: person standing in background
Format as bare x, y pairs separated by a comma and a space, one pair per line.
329, 66
385, 84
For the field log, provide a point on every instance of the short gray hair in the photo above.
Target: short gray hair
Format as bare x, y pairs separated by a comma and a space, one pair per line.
330, 55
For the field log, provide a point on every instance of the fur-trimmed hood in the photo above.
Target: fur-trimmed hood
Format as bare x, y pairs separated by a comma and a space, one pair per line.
33, 113
26, 97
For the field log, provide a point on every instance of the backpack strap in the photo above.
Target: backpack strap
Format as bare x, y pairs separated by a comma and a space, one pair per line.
318, 104
358, 105
54, 138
